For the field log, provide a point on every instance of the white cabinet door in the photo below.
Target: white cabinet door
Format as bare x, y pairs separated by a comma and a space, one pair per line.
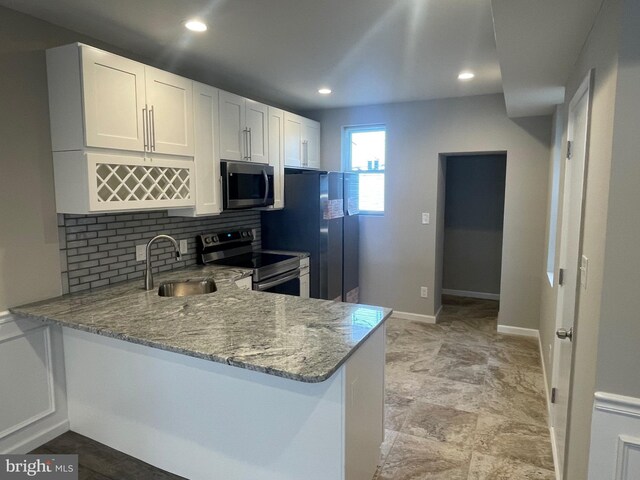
207, 163
311, 144
292, 140
257, 119
170, 103
276, 154
113, 91
233, 136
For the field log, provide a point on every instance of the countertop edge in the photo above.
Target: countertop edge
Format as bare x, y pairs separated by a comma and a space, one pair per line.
190, 353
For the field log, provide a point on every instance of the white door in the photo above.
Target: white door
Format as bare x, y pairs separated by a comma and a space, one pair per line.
292, 140
257, 119
276, 154
170, 104
114, 100
570, 250
311, 144
233, 134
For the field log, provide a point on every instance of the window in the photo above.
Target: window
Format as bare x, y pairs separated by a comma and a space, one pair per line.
364, 153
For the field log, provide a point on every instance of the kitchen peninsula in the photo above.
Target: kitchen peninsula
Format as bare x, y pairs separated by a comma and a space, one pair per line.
233, 385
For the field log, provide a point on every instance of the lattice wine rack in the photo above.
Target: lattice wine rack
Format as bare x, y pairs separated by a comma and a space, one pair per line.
117, 183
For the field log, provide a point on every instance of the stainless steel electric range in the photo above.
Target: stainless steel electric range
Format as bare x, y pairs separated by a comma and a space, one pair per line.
271, 272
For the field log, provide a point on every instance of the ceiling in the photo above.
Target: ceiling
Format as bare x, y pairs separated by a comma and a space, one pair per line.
366, 51
538, 43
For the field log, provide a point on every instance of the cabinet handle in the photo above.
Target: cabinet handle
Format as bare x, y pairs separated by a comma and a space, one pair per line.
152, 121
145, 128
305, 153
249, 143
245, 138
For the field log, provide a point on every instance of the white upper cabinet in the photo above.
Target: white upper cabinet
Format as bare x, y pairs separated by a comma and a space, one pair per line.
276, 154
244, 132
311, 143
302, 141
257, 119
113, 92
207, 165
292, 140
233, 138
170, 111
101, 100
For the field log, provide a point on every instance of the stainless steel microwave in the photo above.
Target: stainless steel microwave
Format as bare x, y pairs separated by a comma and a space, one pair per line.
246, 185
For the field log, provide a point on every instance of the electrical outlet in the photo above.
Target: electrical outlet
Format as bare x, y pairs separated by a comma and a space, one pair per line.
424, 292
141, 252
425, 218
183, 247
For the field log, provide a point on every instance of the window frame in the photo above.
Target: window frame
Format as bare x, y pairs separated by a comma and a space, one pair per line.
347, 131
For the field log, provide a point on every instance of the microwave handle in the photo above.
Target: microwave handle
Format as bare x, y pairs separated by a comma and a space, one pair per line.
266, 186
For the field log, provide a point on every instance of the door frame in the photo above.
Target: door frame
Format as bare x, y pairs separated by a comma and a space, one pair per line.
584, 90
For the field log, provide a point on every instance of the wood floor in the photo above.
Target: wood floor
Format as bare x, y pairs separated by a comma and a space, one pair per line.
462, 403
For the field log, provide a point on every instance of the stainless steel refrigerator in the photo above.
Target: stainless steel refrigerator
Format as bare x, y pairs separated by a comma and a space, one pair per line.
320, 216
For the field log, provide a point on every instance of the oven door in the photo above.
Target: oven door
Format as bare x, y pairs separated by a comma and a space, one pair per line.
287, 283
246, 185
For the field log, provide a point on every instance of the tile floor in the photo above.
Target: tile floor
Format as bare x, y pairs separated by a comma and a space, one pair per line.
462, 401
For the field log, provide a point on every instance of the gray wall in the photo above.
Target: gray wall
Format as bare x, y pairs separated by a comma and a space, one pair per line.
619, 340
600, 54
474, 211
394, 267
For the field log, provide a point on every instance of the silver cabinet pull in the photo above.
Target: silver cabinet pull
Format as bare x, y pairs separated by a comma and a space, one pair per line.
245, 136
249, 143
152, 122
145, 128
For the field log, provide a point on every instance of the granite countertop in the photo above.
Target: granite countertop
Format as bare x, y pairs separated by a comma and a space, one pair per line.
300, 339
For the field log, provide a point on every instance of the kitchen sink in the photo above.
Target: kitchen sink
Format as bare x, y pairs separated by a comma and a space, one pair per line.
185, 288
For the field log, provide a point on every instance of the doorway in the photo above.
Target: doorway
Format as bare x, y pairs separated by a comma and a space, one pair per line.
473, 225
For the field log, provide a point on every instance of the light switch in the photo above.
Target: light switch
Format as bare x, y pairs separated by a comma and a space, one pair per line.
425, 218
584, 270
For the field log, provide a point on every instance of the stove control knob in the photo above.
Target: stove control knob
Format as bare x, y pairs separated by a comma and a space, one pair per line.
215, 239
207, 240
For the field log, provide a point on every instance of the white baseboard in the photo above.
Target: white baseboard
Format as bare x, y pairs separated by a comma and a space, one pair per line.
415, 317
437, 316
465, 293
615, 437
39, 438
524, 332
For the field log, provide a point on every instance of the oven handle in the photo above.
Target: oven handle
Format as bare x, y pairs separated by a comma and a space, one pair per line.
279, 280
266, 186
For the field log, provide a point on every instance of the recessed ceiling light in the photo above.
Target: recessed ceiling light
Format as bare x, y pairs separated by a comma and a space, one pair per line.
324, 91
466, 76
195, 25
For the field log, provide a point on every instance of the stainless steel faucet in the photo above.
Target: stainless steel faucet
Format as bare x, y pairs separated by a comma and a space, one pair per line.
148, 276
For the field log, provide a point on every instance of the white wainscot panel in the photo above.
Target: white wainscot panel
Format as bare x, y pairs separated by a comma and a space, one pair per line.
615, 438
26, 375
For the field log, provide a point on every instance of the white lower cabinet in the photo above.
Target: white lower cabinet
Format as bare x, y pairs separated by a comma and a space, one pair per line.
87, 182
